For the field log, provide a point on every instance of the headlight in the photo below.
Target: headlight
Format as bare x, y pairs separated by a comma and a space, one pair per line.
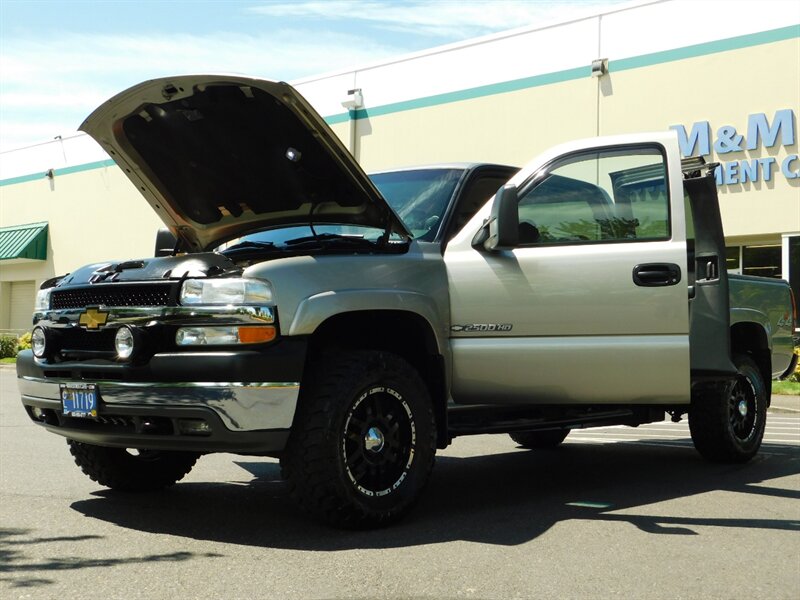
38, 342
226, 291
224, 335
42, 300
124, 342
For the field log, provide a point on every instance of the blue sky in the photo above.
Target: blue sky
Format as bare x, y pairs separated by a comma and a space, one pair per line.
59, 60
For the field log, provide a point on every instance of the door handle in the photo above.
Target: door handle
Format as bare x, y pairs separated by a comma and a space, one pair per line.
656, 274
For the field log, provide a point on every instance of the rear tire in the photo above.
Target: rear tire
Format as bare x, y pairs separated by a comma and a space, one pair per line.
540, 439
727, 423
363, 441
132, 471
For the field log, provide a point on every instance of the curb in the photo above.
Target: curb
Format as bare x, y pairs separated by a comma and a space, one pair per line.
786, 404
781, 410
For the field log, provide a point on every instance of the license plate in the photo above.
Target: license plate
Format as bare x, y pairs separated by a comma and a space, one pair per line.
79, 399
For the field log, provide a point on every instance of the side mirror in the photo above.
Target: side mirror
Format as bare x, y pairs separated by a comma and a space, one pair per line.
503, 225
165, 243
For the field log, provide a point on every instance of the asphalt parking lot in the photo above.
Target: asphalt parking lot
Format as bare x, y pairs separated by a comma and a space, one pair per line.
614, 512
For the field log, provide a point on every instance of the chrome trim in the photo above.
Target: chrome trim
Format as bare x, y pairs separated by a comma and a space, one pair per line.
241, 406
174, 315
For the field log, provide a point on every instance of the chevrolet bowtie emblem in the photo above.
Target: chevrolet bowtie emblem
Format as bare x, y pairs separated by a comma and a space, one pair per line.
93, 318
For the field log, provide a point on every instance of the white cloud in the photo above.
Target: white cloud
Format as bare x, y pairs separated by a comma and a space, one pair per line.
70, 95
50, 84
285, 52
65, 78
444, 18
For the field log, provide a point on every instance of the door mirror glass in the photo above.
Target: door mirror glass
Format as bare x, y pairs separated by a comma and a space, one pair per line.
503, 225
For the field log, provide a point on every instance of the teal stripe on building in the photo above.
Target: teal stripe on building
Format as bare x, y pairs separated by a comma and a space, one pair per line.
636, 62
65, 171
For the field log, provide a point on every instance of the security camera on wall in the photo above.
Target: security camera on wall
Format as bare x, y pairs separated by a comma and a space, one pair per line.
355, 99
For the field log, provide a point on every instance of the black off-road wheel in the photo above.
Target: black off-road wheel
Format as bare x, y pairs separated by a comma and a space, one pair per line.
539, 439
727, 423
363, 441
130, 470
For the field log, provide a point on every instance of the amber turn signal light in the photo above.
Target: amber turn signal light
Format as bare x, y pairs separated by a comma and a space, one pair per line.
256, 334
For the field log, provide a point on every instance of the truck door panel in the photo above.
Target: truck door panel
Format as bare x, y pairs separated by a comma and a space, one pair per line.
563, 317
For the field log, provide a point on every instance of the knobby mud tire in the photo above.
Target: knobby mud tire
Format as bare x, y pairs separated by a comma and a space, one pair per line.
124, 470
723, 431
363, 442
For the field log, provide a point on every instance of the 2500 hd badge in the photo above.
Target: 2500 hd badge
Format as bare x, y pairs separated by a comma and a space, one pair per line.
476, 327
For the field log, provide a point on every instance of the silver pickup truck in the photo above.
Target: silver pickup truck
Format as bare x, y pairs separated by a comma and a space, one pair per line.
352, 326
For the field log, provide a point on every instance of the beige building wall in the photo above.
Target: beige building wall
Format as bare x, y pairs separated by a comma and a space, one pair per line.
94, 215
508, 128
723, 88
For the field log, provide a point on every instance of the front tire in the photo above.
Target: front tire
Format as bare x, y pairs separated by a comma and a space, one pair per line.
363, 442
727, 423
132, 471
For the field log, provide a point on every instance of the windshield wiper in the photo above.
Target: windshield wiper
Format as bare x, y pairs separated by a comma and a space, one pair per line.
330, 240
248, 245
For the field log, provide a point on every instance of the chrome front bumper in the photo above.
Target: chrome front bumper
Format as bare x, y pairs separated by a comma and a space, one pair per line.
240, 406
240, 399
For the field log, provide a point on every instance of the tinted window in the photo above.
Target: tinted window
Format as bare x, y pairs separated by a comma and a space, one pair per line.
598, 197
475, 195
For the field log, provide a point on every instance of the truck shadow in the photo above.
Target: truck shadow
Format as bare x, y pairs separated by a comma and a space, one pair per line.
503, 499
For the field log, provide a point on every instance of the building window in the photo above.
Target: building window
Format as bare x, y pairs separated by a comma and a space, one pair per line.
792, 265
762, 260
732, 259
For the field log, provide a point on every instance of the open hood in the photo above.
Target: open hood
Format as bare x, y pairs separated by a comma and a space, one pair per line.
217, 156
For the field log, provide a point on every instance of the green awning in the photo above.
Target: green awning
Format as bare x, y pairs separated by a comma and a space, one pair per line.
24, 241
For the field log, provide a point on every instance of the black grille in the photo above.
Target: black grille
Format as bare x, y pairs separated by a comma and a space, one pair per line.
76, 338
115, 294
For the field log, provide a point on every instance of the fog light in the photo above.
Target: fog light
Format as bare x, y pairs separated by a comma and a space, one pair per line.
123, 342
194, 427
37, 413
38, 342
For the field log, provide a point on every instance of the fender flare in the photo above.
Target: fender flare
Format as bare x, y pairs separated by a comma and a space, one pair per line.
316, 309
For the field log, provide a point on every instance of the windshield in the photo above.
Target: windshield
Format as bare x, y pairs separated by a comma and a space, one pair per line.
419, 197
